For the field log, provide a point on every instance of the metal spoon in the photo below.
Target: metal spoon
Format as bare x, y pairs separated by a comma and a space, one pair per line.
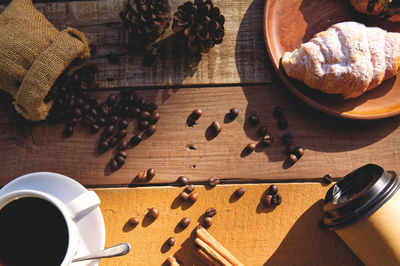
114, 251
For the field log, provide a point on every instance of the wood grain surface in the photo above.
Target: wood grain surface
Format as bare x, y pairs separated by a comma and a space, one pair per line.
256, 235
239, 59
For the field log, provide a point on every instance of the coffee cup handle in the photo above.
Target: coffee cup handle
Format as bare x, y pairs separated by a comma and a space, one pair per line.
82, 205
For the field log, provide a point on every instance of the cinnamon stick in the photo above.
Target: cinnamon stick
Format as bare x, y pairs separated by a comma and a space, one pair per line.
206, 237
213, 254
172, 261
206, 258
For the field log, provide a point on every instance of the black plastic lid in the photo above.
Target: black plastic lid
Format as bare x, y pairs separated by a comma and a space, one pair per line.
358, 195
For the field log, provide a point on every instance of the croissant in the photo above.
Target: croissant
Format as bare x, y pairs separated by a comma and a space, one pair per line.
348, 58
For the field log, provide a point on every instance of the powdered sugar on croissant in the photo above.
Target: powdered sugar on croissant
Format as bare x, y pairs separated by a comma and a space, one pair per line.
348, 58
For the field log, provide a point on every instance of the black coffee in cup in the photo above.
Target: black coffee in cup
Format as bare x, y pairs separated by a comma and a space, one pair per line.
32, 232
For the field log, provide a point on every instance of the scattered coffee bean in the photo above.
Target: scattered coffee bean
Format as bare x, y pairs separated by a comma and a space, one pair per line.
113, 142
194, 196
153, 213
135, 140
268, 200
121, 134
95, 84
207, 222
216, 127
254, 120
262, 131
183, 181
251, 147
292, 159
141, 103
94, 128
103, 146
145, 115
87, 120
276, 200
196, 114
112, 58
135, 111
122, 154
151, 173
120, 160
289, 149
278, 112
72, 122
185, 222
108, 131
111, 99
184, 195
101, 122
210, 212
112, 120
134, 221
123, 124
150, 130
189, 189
287, 139
299, 152
233, 113
273, 190
240, 192
282, 124
123, 145
84, 85
171, 241
68, 131
154, 117
213, 181
327, 179
77, 112
143, 124
267, 140
142, 175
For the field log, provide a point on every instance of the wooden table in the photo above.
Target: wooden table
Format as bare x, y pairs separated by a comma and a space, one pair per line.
236, 73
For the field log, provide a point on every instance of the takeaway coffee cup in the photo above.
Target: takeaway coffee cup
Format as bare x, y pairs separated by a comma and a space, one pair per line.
37, 228
364, 210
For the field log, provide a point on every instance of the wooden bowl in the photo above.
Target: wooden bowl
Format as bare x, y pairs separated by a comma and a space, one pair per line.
289, 23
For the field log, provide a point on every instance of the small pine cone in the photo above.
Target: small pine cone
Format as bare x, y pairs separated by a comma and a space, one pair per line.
200, 25
146, 19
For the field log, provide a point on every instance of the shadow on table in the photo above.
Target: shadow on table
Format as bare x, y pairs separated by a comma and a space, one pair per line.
322, 244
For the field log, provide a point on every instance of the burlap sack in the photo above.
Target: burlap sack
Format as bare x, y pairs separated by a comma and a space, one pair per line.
33, 54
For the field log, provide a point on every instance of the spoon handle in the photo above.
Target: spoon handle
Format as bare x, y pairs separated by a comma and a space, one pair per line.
114, 251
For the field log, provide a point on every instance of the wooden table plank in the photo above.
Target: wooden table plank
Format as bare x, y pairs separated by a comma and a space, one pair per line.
287, 235
241, 58
333, 146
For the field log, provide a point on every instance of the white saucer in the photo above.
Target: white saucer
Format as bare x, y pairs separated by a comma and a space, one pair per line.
91, 227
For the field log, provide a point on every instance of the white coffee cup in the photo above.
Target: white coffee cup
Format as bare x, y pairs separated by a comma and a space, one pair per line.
72, 212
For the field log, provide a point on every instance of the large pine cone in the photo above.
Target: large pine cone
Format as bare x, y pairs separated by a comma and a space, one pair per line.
146, 19
199, 25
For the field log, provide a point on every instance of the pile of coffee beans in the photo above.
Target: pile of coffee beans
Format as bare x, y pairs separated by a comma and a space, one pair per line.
280, 115
272, 198
294, 152
188, 193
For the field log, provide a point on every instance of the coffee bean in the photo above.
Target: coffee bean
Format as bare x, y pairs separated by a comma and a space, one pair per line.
94, 128
151, 173
210, 212
123, 124
141, 103
150, 107
171, 241
327, 179
299, 152
134, 221
103, 146
123, 145
276, 200
121, 134
262, 131
153, 213
93, 112
68, 131
142, 175
251, 147
92, 101
77, 112
135, 140
278, 112
71, 103
185, 222
189, 189
272, 190
287, 139
95, 84
104, 110
282, 123
113, 142
150, 130
216, 127
184, 195
111, 99
112, 120
72, 122
233, 113
194, 196
154, 117
83, 85
122, 154
289, 149
124, 109
196, 114
114, 164
112, 58
86, 108
79, 102
183, 180
134, 111
145, 115
292, 159
143, 124
240, 192
101, 122
120, 160
267, 140
213, 181
268, 200
108, 131
207, 222
254, 120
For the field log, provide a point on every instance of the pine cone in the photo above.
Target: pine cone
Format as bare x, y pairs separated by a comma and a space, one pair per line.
199, 25
146, 19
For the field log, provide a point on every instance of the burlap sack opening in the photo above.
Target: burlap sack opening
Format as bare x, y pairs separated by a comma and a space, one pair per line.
33, 54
